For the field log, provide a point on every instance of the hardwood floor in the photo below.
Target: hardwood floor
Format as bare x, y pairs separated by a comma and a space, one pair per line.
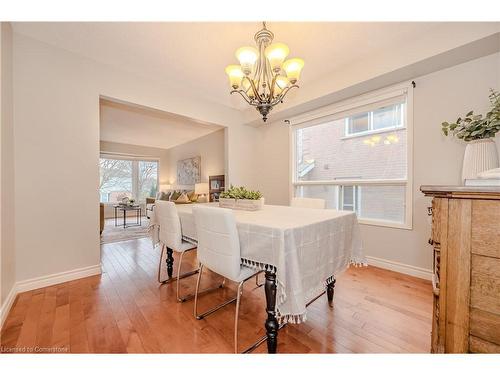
124, 310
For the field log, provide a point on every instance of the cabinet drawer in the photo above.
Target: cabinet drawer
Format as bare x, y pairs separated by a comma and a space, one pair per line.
476, 345
485, 325
485, 228
485, 284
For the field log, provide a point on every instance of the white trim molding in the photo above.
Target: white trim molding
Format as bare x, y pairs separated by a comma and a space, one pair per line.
45, 281
57, 278
7, 304
407, 269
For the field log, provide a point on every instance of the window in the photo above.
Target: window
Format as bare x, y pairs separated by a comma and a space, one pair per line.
387, 117
357, 158
121, 177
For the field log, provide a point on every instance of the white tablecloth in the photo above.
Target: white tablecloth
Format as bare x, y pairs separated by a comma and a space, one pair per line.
306, 248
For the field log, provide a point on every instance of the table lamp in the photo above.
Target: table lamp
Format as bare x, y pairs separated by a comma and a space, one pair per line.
202, 190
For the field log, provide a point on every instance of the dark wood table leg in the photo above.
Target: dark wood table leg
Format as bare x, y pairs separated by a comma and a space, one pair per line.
124, 219
170, 262
329, 291
271, 322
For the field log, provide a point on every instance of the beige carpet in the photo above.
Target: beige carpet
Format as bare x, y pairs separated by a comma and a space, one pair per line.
111, 233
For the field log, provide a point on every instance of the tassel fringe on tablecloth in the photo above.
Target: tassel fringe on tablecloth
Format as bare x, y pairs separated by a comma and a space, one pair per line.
281, 294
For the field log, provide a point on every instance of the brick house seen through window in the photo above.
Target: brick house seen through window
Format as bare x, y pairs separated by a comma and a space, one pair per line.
357, 162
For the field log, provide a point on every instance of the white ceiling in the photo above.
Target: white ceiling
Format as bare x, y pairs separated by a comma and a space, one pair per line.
141, 126
193, 55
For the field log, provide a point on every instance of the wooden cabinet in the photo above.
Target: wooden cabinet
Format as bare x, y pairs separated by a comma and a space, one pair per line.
465, 236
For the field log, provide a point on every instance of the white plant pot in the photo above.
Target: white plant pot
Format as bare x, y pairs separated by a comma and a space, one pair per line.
480, 155
227, 202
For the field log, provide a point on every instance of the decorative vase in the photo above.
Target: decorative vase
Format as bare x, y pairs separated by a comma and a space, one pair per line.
480, 155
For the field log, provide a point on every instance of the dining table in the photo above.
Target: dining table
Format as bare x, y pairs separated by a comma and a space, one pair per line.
301, 250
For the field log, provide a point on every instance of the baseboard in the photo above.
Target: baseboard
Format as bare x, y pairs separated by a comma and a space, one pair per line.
42, 282
57, 278
7, 304
407, 269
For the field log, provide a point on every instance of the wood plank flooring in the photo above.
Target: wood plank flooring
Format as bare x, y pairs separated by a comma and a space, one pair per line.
124, 310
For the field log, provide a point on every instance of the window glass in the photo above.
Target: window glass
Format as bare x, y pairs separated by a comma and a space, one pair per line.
369, 147
115, 180
323, 153
135, 179
359, 123
387, 117
148, 179
377, 202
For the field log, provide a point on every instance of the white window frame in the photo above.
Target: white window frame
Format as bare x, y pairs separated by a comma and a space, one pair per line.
135, 171
371, 130
338, 111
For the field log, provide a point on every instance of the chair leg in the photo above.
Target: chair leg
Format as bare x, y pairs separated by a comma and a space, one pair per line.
178, 275
159, 265
237, 316
200, 271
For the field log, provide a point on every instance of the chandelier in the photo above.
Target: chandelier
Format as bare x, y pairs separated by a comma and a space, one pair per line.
263, 77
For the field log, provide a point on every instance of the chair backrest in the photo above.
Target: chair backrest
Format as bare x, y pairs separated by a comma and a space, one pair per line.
170, 224
218, 240
308, 203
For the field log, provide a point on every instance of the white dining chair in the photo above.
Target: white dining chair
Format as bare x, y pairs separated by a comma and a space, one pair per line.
170, 237
219, 251
308, 202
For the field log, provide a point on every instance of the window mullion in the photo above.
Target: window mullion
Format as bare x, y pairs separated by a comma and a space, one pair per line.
135, 180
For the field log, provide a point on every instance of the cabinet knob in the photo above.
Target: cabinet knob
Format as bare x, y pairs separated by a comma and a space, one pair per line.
429, 211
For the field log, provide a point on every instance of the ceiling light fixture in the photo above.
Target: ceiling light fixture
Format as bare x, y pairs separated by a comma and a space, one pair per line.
263, 77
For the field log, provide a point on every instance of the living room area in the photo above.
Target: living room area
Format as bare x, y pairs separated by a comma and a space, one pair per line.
147, 154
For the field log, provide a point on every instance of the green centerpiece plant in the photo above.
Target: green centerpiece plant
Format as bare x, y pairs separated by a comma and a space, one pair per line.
235, 192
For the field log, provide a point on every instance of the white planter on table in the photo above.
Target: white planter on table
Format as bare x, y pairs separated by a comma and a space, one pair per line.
242, 204
480, 155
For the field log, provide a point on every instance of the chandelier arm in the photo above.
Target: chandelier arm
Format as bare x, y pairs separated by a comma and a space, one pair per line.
283, 94
255, 90
244, 96
271, 93
268, 74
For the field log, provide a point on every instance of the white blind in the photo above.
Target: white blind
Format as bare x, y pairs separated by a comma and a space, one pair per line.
344, 111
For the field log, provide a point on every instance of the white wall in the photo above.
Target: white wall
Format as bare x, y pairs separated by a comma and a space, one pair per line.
56, 115
440, 96
211, 149
7, 240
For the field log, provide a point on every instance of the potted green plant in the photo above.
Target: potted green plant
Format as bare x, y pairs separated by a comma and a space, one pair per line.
241, 198
478, 132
